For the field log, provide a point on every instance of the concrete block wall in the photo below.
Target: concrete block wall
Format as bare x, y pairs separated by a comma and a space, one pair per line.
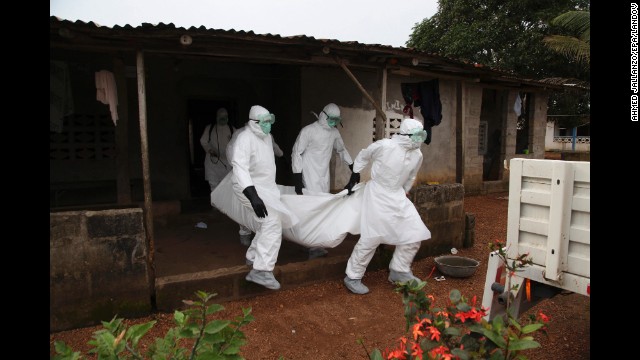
471, 109
441, 207
540, 101
97, 267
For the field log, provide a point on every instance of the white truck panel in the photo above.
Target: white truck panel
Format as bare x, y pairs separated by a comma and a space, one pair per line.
549, 208
549, 219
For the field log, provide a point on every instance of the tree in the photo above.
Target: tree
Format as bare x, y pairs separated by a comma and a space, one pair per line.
510, 35
503, 34
575, 46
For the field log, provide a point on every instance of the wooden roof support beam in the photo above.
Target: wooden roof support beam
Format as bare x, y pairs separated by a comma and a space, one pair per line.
362, 89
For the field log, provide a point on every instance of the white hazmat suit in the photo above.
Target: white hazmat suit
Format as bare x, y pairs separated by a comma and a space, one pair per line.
254, 184
387, 214
214, 141
314, 147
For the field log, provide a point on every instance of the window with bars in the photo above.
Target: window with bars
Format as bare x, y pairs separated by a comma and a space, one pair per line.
84, 137
391, 126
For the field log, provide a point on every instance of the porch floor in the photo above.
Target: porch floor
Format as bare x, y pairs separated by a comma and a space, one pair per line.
181, 247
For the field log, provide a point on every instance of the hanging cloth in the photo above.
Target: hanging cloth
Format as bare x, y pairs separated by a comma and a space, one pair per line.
411, 97
107, 92
517, 106
431, 107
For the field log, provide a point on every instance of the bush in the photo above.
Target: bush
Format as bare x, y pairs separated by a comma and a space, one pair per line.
192, 337
460, 330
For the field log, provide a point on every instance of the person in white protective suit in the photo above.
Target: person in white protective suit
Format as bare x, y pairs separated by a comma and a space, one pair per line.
388, 216
254, 185
214, 141
311, 156
245, 232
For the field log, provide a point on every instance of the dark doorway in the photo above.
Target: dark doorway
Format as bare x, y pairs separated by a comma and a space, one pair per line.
492, 116
200, 113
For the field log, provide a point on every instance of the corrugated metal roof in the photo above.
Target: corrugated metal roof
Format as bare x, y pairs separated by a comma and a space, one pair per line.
297, 49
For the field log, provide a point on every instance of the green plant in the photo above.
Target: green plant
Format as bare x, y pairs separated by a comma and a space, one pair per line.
460, 330
193, 337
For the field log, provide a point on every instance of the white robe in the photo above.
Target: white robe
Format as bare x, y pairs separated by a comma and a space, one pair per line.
388, 216
312, 153
216, 167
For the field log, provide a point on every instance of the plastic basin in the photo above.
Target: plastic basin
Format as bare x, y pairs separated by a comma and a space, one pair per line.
456, 266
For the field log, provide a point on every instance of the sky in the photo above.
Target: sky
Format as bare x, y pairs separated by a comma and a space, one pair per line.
384, 22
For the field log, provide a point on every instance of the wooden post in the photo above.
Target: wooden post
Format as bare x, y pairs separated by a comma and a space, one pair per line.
144, 149
381, 123
122, 136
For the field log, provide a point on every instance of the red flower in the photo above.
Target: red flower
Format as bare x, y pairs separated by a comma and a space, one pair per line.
435, 333
417, 331
417, 351
543, 317
442, 350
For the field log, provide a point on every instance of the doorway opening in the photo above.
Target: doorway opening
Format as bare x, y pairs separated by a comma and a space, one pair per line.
200, 113
490, 133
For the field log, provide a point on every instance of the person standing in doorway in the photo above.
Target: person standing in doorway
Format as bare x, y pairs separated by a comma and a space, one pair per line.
214, 141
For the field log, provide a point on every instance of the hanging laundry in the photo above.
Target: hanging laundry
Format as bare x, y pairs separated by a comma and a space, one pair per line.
431, 108
60, 96
107, 92
517, 107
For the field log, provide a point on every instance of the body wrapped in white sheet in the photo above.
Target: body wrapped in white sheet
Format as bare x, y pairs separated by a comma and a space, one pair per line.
324, 219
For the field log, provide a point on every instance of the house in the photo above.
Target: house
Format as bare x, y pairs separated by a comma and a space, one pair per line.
129, 104
187, 73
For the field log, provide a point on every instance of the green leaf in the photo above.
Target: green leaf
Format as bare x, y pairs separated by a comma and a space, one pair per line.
65, 352
462, 354
214, 308
215, 326
453, 331
210, 355
523, 344
178, 317
376, 355
495, 338
455, 296
231, 350
497, 355
531, 328
135, 332
498, 323
515, 324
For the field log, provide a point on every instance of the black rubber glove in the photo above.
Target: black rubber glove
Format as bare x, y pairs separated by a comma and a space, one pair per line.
256, 203
354, 179
351, 167
297, 177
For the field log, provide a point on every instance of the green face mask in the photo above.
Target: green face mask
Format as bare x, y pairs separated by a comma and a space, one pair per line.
418, 136
265, 126
223, 120
332, 121
265, 121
